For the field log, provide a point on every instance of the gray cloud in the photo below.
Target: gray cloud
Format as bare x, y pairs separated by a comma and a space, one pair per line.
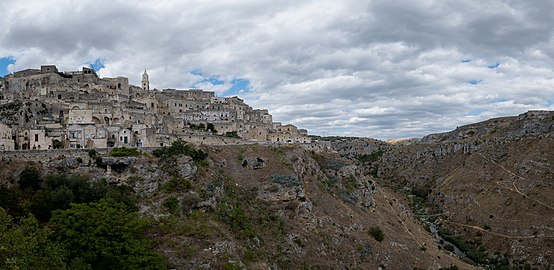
379, 68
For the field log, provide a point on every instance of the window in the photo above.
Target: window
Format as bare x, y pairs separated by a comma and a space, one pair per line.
36, 137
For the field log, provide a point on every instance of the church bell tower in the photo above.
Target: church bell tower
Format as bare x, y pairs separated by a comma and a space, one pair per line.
145, 82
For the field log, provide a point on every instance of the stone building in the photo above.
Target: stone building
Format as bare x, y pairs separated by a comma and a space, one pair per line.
6, 140
49, 109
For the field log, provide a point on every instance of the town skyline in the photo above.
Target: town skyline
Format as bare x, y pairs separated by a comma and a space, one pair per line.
381, 69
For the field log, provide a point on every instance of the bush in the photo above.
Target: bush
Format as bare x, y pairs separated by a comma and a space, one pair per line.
171, 203
474, 252
232, 134
376, 233
92, 153
347, 196
211, 127
334, 165
179, 147
124, 152
237, 219
177, 184
368, 158
286, 180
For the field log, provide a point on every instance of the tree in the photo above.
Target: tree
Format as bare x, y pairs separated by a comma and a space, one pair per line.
27, 245
29, 178
211, 127
105, 235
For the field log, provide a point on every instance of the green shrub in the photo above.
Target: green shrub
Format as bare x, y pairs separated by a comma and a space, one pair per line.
350, 183
286, 180
368, 158
98, 161
92, 153
124, 152
232, 134
237, 219
376, 233
232, 266
334, 165
473, 251
177, 184
347, 196
171, 203
179, 147
211, 127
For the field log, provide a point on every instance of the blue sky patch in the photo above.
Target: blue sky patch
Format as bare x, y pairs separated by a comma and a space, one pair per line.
475, 82
549, 102
238, 86
214, 80
500, 100
476, 112
97, 65
466, 60
4, 63
493, 66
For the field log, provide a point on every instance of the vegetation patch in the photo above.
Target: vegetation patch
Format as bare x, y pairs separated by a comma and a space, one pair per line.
92, 225
364, 249
376, 233
104, 235
286, 180
177, 184
372, 157
124, 152
179, 147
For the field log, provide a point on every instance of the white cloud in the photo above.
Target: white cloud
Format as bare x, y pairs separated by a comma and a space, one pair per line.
380, 68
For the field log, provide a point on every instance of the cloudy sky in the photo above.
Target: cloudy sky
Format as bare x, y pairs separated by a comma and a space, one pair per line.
374, 68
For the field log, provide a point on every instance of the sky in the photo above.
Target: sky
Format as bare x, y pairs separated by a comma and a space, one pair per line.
375, 68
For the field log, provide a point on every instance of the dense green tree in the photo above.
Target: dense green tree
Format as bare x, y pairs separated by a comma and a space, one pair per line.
29, 178
105, 235
26, 245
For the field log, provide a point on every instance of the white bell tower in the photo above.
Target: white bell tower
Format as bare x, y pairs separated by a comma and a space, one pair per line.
145, 82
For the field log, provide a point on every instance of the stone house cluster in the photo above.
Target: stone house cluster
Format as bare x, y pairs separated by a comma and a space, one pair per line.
48, 109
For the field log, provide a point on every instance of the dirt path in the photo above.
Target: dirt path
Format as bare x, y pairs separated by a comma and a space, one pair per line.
516, 177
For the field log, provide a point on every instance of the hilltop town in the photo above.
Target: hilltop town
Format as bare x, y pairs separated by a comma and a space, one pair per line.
48, 109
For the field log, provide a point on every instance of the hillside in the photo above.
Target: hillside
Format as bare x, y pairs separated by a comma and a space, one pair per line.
258, 207
476, 197
490, 184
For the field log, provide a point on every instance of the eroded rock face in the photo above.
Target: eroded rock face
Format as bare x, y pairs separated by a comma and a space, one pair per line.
121, 161
280, 193
254, 163
186, 167
65, 164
